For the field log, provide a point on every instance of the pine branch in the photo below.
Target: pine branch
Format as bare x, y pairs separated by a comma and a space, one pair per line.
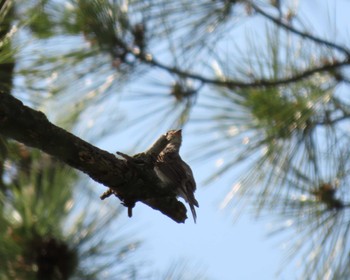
302, 34
301, 74
121, 48
258, 83
130, 182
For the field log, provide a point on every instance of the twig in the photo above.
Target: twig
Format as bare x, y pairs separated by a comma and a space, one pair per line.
302, 34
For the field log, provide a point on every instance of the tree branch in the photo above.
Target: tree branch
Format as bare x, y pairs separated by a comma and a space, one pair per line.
327, 67
302, 34
130, 182
149, 59
300, 75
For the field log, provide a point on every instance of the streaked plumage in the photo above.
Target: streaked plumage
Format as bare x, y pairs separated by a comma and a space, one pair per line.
172, 170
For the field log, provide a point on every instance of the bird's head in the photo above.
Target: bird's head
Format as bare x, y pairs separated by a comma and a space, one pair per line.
174, 137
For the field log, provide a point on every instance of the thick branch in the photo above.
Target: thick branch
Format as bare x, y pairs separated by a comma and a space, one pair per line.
129, 182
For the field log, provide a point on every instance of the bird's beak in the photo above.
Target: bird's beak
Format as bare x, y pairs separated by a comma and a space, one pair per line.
178, 132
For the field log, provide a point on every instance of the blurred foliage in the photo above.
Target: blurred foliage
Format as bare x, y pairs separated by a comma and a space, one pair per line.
181, 270
264, 91
38, 203
6, 58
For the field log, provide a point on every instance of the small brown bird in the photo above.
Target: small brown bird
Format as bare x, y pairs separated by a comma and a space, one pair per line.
174, 172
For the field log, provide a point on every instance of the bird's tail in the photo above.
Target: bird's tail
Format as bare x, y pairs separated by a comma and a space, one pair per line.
193, 203
194, 214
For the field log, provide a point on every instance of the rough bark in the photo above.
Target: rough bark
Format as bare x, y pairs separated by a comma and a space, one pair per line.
130, 180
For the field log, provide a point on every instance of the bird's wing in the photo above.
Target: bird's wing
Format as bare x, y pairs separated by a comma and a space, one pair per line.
190, 182
180, 174
171, 169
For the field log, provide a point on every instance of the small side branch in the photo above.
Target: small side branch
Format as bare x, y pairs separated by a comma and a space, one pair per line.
302, 34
